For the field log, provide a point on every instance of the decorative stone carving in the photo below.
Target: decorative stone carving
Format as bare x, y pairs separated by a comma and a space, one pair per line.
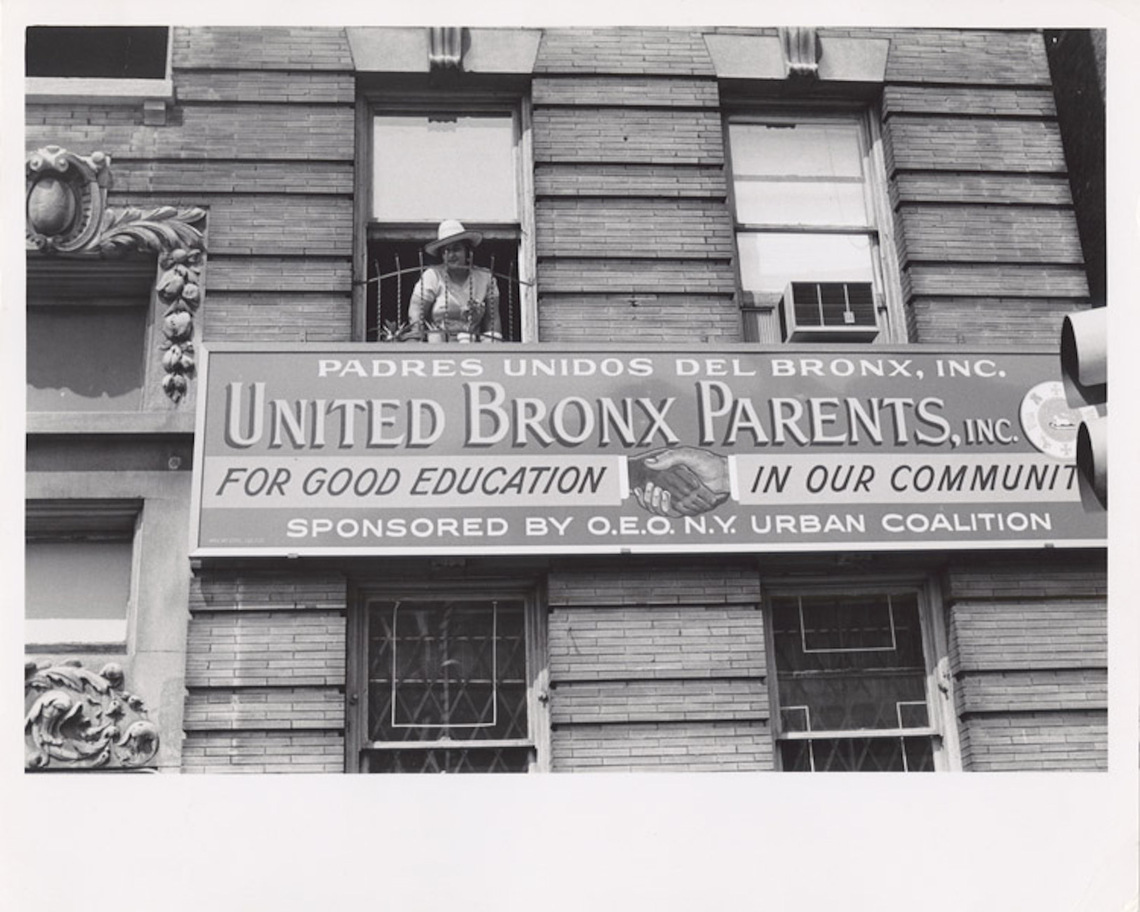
75, 719
445, 48
67, 215
801, 52
66, 198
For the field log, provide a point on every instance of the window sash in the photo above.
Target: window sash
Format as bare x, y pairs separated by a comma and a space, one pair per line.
435, 653
378, 312
845, 197
425, 169
834, 659
106, 525
452, 751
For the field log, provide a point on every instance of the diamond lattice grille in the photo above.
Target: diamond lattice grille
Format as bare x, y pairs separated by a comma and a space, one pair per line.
447, 669
851, 663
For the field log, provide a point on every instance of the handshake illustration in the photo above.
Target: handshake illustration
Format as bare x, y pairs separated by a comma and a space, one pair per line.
679, 481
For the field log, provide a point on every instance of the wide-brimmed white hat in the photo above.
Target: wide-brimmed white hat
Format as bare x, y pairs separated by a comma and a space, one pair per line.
452, 231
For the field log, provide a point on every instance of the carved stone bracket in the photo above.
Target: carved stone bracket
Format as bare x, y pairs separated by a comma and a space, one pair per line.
445, 48
801, 52
75, 719
68, 215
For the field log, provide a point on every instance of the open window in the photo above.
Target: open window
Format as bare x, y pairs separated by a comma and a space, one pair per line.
79, 572
447, 681
855, 679
430, 164
809, 208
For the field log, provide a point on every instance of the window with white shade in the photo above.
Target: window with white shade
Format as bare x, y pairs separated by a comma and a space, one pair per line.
808, 209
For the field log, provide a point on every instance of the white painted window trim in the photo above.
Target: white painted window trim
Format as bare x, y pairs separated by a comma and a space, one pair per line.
943, 728
521, 109
538, 738
884, 260
46, 634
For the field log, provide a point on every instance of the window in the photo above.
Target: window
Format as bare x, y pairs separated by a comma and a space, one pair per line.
79, 560
87, 335
99, 52
448, 683
855, 682
458, 163
112, 64
807, 198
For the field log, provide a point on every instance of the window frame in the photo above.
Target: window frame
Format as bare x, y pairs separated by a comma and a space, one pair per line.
107, 90
886, 283
942, 728
77, 520
69, 282
371, 104
357, 744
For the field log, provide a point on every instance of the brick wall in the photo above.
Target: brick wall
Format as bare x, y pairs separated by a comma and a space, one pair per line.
1028, 650
265, 672
657, 668
988, 239
261, 135
634, 235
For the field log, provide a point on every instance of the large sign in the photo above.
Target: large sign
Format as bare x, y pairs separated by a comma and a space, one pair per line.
496, 449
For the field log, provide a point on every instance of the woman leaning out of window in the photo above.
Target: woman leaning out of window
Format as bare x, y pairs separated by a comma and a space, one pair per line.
455, 301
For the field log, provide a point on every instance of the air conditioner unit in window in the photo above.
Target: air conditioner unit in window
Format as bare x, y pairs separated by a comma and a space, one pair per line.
828, 312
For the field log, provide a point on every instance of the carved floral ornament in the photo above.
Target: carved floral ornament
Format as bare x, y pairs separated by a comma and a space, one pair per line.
75, 719
68, 216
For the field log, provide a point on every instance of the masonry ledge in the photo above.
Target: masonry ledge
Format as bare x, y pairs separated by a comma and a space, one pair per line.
65, 90
110, 423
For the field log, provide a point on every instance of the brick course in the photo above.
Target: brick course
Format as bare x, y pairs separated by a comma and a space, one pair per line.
661, 229
1028, 647
991, 189
949, 144
266, 658
972, 100
670, 319
646, 668
998, 281
285, 317
263, 752
635, 51
964, 57
634, 180
217, 131
1036, 741
260, 48
711, 746
976, 321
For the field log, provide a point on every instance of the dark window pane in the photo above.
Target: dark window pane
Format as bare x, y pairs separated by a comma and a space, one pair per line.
103, 52
450, 760
858, 755
394, 267
849, 662
834, 304
85, 357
